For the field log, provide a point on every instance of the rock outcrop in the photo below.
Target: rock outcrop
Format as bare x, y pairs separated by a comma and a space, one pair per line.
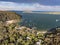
7, 16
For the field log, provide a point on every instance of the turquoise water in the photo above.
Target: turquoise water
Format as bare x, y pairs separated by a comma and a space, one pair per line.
40, 21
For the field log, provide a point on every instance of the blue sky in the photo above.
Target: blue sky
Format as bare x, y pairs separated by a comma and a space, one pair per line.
33, 5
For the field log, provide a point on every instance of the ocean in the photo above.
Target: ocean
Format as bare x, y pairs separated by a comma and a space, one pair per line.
39, 21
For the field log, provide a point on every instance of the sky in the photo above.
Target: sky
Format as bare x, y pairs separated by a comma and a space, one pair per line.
33, 5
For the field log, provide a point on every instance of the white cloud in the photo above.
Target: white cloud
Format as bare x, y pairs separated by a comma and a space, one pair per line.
26, 6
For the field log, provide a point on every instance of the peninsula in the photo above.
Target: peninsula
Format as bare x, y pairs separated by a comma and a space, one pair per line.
43, 12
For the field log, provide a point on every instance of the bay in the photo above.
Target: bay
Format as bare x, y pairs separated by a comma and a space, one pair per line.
39, 21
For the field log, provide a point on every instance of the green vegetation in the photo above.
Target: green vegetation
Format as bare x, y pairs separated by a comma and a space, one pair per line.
52, 38
14, 34
9, 35
6, 16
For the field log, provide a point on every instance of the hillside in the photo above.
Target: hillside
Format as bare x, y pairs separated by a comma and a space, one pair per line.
14, 34
6, 16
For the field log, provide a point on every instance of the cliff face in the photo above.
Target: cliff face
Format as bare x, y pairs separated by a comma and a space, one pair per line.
7, 16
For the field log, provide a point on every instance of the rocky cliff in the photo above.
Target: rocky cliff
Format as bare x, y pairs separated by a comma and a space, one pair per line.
7, 16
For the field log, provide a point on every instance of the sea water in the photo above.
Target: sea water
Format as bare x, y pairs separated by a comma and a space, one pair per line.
39, 21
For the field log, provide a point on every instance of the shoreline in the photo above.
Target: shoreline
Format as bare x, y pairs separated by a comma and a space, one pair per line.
54, 13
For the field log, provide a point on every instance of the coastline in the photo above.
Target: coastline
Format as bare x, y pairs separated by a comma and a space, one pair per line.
54, 13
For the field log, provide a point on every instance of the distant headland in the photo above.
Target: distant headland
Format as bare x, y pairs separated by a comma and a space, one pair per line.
42, 12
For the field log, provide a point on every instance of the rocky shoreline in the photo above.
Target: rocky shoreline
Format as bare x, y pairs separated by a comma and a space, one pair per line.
11, 33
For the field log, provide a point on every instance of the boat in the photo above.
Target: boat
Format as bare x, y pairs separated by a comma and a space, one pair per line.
57, 20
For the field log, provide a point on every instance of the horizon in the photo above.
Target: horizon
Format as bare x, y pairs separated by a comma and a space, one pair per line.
30, 10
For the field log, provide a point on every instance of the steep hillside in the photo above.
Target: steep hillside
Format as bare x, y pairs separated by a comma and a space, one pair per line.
6, 16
